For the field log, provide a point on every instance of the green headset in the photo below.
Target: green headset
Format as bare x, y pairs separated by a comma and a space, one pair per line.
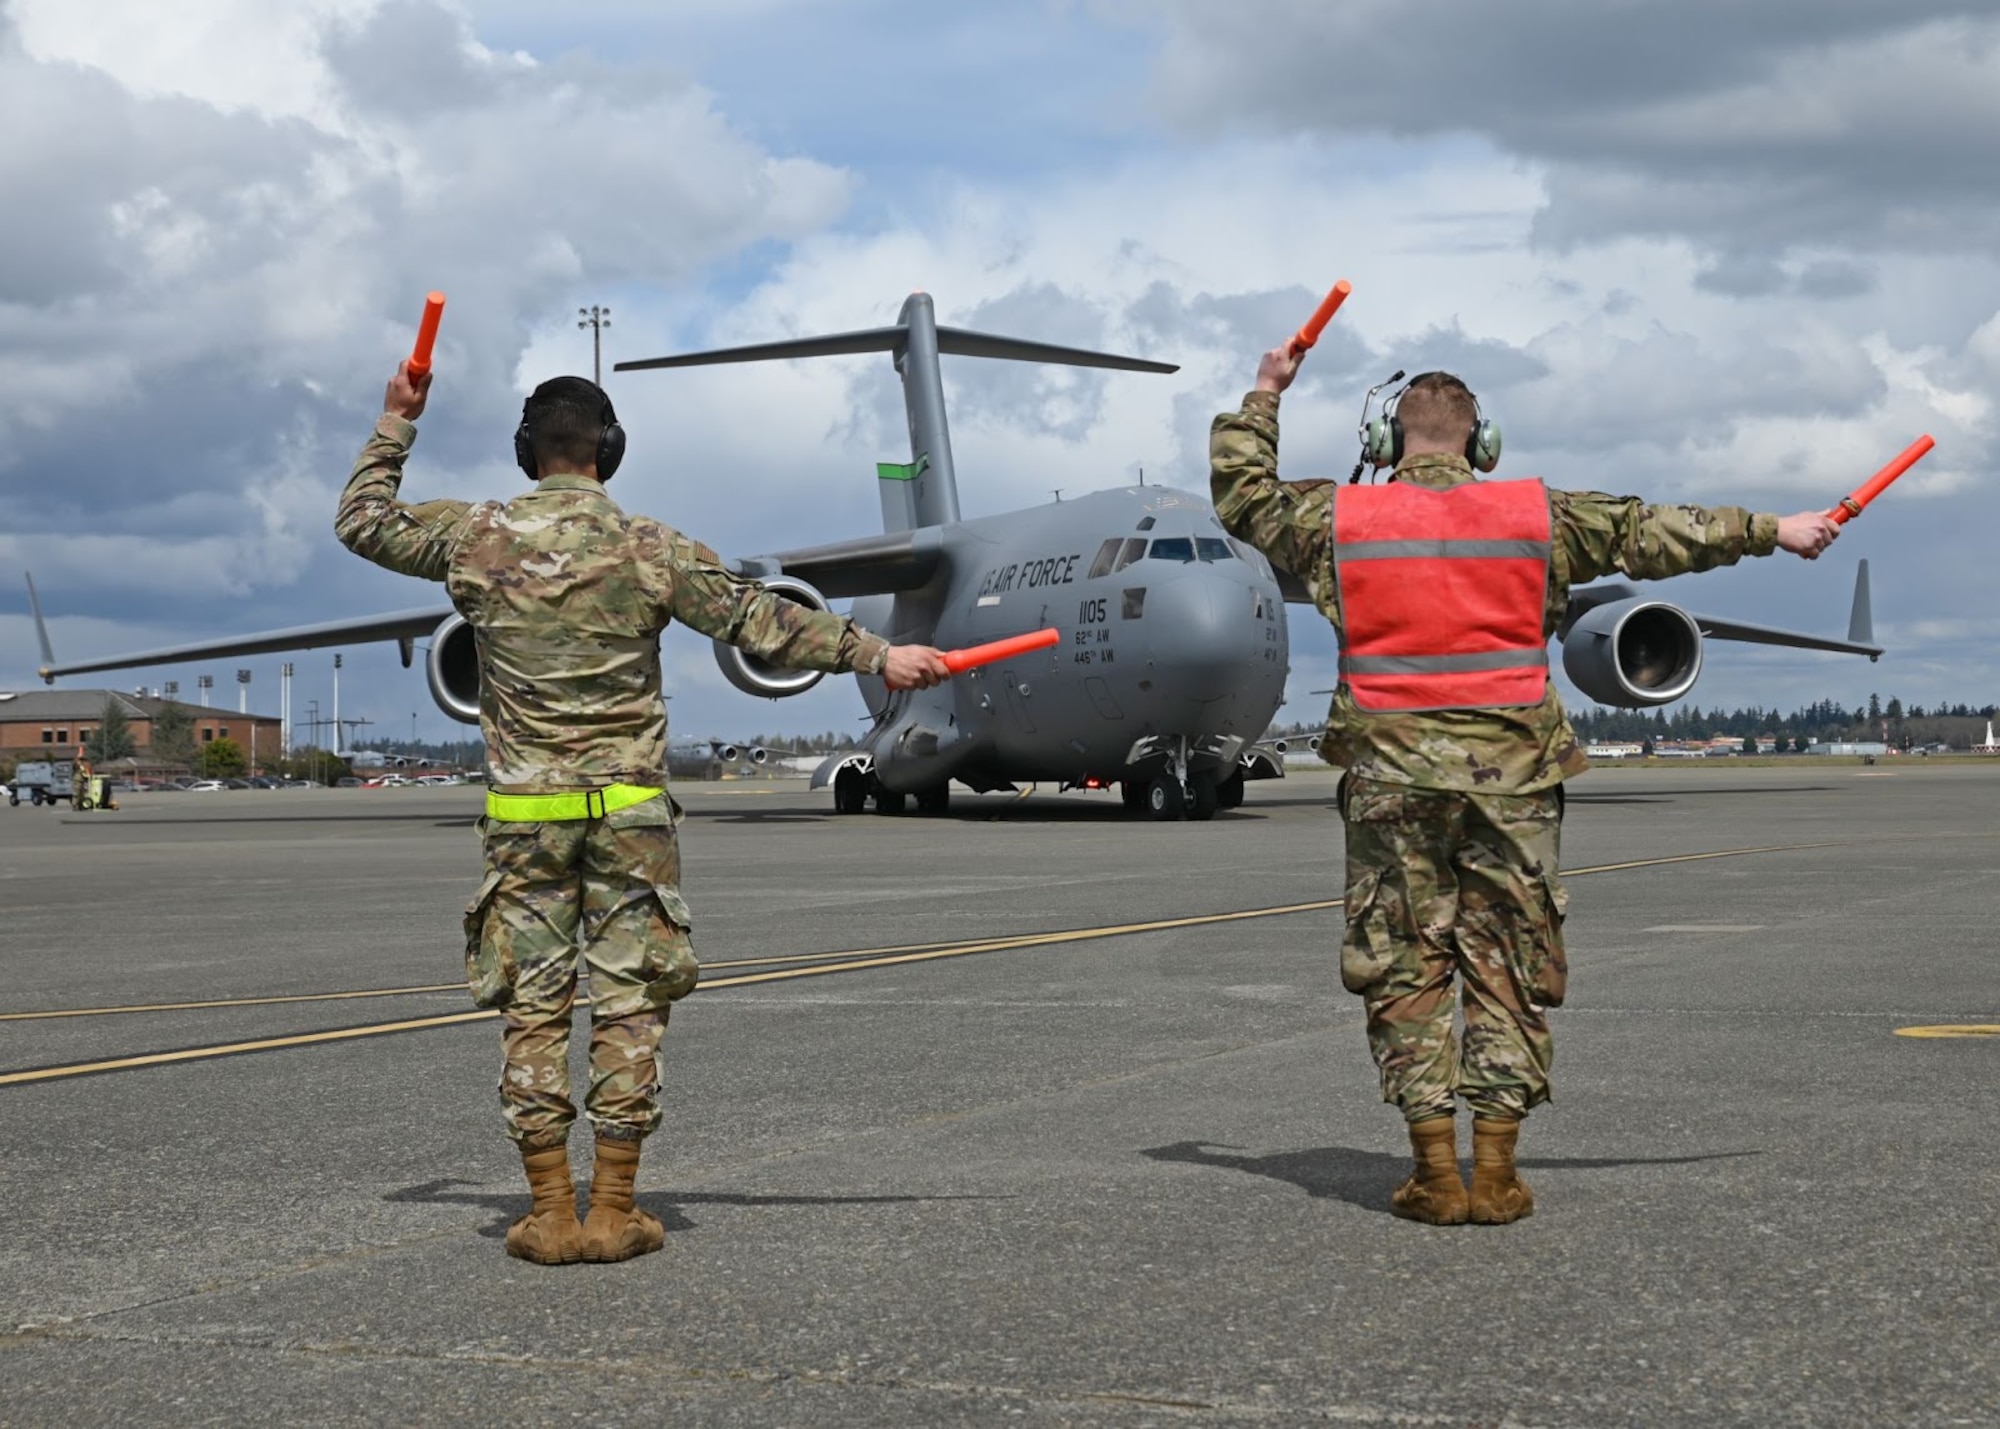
1382, 437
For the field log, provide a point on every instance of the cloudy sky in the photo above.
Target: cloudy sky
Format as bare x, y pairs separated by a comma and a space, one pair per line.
1719, 250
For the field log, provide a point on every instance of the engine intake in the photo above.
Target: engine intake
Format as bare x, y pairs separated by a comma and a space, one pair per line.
754, 676
452, 669
1633, 653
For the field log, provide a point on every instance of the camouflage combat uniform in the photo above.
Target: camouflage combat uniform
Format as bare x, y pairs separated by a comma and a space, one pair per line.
1453, 817
567, 596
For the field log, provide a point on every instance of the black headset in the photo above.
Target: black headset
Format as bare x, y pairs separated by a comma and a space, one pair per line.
610, 440
1382, 437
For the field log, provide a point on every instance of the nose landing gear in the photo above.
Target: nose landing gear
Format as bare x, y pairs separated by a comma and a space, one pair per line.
1174, 793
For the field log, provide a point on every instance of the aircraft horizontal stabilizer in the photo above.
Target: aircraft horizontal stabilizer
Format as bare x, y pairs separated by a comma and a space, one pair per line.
961, 343
958, 342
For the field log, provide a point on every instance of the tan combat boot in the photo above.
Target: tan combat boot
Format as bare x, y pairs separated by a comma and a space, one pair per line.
1499, 1195
1434, 1193
616, 1229
548, 1234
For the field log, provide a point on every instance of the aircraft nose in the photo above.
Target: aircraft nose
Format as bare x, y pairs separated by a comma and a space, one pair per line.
1202, 634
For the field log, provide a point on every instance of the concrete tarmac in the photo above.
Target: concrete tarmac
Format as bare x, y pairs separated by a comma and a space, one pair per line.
980, 1172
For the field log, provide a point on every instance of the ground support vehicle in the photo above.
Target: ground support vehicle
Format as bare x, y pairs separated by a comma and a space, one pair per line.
42, 781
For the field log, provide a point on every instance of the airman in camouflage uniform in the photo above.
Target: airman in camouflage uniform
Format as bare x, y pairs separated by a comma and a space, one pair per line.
1453, 816
567, 596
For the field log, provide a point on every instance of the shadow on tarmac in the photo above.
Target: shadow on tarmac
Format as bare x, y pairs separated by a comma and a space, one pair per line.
1365, 1178
664, 1204
1668, 798
430, 818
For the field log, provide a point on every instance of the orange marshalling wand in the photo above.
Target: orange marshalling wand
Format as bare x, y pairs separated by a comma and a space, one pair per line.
959, 661
427, 334
1852, 506
1305, 337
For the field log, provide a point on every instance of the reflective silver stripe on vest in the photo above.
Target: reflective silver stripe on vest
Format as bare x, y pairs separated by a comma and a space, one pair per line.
1431, 550
1445, 664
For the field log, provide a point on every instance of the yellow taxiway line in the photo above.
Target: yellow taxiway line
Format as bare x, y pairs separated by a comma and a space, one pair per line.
822, 964
1961, 1029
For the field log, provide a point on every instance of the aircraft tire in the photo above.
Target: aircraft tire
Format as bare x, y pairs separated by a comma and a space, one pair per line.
1165, 799
850, 792
1202, 798
934, 801
887, 803
1229, 793
1132, 793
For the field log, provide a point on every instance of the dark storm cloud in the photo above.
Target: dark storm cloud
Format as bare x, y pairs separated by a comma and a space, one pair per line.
1743, 124
199, 306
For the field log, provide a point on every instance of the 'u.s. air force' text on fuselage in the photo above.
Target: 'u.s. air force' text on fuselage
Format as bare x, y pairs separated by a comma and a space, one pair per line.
1030, 575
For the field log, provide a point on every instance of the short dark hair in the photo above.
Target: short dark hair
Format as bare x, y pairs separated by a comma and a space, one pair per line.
1437, 408
565, 417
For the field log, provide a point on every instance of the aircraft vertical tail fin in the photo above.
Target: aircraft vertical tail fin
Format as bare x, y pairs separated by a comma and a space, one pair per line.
925, 491
1861, 619
41, 631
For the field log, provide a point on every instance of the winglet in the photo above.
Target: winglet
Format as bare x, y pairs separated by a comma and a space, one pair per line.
41, 632
1861, 621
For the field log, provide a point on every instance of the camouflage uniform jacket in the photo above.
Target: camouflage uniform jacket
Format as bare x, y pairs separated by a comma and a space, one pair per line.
567, 596
1496, 751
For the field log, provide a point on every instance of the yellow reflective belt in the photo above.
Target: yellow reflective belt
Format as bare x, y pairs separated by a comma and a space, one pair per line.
556, 808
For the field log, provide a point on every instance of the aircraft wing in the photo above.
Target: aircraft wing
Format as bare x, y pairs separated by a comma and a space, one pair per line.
1860, 625
872, 565
1860, 620
1716, 629
400, 625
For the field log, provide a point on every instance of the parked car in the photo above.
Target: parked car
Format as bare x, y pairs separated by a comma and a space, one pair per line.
350, 782
206, 786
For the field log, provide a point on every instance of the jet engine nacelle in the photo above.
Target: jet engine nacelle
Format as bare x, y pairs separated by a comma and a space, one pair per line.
1633, 653
452, 669
759, 677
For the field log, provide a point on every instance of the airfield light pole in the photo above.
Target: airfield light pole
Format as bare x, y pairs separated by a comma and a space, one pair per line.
597, 320
336, 706
204, 683
285, 709
243, 692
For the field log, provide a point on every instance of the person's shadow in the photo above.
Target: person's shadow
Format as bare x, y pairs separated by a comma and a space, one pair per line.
1365, 1178
507, 1206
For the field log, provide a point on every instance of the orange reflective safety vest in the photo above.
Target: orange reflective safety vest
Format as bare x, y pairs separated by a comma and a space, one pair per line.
1442, 594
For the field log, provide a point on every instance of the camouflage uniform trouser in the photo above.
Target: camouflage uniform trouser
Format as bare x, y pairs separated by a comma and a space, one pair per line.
615, 882
1443, 884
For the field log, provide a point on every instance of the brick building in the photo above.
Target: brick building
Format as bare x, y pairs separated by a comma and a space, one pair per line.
49, 724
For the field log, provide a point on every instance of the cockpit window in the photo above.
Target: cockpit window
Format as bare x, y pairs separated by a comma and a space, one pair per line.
1134, 549
1191, 548
1146, 524
1107, 554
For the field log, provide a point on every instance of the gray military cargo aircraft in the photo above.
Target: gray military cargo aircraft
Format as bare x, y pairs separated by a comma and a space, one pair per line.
1174, 647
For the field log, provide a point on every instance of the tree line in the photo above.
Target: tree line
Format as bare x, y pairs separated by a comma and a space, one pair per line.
1958, 726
